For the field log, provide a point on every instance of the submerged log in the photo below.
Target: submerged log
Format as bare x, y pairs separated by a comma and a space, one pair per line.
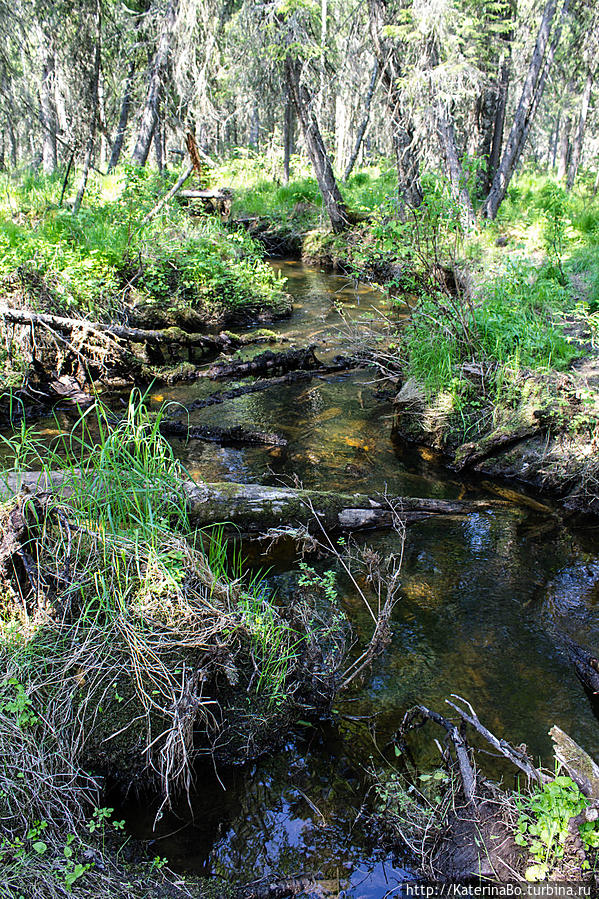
339, 364
586, 664
255, 508
236, 435
264, 364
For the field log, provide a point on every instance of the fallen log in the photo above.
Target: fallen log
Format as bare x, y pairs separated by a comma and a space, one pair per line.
580, 766
292, 377
254, 508
339, 364
236, 435
471, 454
264, 363
167, 336
168, 196
586, 664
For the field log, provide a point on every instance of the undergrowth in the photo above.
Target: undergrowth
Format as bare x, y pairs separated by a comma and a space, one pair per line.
107, 257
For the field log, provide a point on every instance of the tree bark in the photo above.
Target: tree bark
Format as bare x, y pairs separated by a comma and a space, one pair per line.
564, 149
288, 124
532, 91
121, 130
365, 120
455, 173
157, 141
576, 154
155, 82
408, 163
499, 124
208, 342
303, 104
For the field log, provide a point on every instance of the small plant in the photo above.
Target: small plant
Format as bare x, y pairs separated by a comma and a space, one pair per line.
553, 201
323, 583
543, 825
18, 704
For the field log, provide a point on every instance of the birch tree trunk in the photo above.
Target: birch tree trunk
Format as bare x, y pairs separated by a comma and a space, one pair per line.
532, 91
303, 103
155, 82
121, 130
580, 128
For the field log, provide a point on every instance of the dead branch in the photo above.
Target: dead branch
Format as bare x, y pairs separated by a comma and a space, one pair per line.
516, 756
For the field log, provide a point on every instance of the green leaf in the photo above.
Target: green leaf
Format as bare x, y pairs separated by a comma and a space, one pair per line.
40, 847
535, 873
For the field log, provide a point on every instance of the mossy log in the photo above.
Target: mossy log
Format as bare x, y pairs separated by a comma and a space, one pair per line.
580, 766
236, 435
255, 508
167, 336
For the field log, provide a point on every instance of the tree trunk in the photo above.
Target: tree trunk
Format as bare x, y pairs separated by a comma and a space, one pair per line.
580, 128
123, 117
364, 123
288, 124
95, 88
255, 129
486, 116
102, 126
389, 60
324, 12
302, 101
528, 103
155, 81
48, 108
555, 140
455, 173
499, 125
564, 149
12, 139
157, 140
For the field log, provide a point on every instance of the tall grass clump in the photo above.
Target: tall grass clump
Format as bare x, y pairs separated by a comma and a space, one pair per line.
129, 645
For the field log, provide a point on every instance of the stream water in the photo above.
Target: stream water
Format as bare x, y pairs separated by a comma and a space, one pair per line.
480, 599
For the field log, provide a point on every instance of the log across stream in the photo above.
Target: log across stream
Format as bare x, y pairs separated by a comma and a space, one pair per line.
481, 596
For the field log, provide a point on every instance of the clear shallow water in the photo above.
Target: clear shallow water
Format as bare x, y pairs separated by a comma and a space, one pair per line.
481, 598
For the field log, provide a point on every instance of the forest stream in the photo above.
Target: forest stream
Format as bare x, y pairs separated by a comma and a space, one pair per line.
480, 599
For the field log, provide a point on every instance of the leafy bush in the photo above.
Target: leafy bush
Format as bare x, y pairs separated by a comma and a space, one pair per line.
543, 825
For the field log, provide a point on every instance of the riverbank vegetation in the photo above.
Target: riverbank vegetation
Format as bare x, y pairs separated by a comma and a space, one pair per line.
131, 646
